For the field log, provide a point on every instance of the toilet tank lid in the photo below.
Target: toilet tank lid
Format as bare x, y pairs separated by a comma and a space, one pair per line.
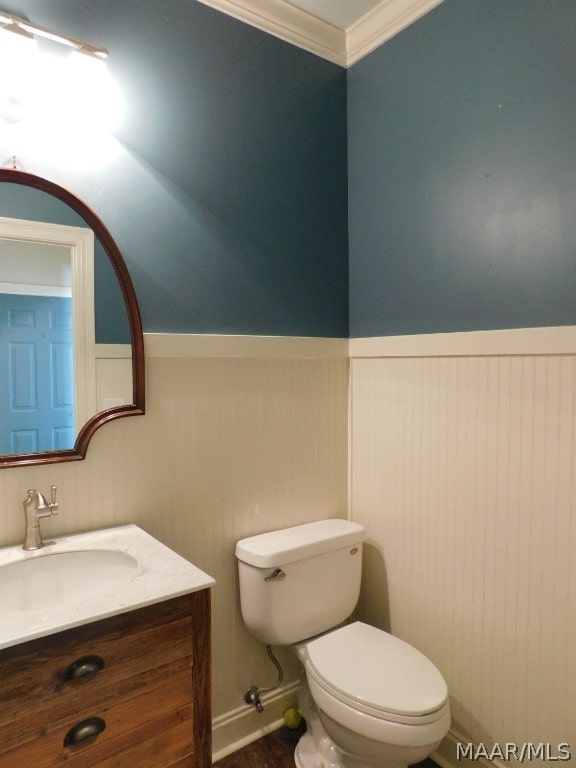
288, 545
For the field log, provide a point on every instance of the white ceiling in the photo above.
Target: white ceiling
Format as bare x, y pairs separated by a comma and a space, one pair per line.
342, 31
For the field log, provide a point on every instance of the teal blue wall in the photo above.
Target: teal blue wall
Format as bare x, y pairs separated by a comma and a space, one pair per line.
462, 171
449, 154
228, 194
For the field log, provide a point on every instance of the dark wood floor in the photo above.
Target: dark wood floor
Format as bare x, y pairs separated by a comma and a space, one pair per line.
274, 751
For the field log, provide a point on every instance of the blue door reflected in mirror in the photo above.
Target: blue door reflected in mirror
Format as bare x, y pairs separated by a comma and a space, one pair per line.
36, 367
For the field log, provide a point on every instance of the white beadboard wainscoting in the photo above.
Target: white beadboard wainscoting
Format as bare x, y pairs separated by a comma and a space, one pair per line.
241, 435
457, 452
463, 470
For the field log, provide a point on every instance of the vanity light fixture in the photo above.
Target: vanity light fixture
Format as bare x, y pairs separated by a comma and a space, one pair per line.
15, 24
56, 92
17, 47
24, 37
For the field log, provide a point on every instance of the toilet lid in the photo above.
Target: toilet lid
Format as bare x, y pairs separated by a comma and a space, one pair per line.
373, 668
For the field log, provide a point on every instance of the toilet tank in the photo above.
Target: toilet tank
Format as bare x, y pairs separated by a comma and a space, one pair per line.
298, 582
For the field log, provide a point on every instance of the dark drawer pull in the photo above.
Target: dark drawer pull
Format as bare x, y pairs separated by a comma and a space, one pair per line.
84, 731
87, 666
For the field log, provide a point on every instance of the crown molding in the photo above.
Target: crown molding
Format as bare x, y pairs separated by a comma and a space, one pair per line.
381, 23
289, 23
343, 47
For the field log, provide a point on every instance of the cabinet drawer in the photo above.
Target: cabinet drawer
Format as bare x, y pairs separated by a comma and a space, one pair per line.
155, 728
132, 647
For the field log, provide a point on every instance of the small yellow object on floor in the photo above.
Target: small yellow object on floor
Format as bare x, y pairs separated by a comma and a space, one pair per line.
292, 718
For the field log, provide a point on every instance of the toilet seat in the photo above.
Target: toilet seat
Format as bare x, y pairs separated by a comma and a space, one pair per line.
377, 674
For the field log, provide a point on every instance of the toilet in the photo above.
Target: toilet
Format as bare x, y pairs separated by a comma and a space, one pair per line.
370, 700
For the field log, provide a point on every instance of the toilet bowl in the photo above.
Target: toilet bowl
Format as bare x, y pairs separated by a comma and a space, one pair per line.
370, 700
382, 702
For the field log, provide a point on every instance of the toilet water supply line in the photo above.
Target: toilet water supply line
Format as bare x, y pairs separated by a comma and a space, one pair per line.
252, 695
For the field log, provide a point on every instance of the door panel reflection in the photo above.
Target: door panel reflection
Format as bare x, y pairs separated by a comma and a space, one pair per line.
36, 364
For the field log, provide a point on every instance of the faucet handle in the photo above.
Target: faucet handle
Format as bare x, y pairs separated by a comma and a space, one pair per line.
53, 503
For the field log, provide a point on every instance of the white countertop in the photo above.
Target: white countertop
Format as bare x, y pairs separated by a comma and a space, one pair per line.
161, 574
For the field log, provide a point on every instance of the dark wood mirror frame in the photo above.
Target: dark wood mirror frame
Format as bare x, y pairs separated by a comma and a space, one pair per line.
85, 433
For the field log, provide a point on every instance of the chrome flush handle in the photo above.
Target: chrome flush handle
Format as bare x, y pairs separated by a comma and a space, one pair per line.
276, 575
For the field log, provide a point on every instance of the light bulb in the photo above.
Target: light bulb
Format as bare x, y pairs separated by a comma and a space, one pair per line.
90, 91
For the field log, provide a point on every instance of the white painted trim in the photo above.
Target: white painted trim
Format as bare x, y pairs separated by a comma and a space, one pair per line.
25, 289
244, 725
289, 23
158, 345
344, 47
83, 324
556, 340
559, 340
381, 23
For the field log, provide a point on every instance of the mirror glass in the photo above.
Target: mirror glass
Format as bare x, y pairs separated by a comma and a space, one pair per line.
71, 349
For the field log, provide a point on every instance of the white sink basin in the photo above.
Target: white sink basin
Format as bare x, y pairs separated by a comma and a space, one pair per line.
85, 577
49, 579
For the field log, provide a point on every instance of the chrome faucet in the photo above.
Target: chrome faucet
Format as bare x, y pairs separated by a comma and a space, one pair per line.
35, 507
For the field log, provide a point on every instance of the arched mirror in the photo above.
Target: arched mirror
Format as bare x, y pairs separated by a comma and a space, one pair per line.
71, 345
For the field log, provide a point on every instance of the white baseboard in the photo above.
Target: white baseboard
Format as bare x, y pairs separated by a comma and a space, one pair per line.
244, 725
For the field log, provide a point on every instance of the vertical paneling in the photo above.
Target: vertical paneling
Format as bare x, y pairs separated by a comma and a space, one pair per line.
462, 470
228, 447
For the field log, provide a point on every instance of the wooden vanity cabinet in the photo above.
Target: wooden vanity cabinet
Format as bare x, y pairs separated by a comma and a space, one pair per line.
130, 691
